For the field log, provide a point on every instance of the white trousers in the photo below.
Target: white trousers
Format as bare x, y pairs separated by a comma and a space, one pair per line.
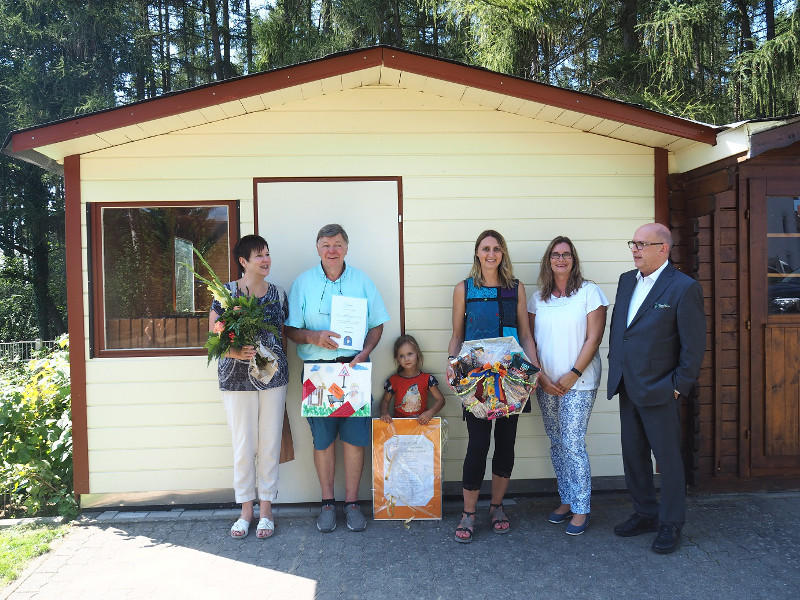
256, 421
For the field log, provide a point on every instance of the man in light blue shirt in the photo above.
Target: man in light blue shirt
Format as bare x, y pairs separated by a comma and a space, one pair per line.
309, 327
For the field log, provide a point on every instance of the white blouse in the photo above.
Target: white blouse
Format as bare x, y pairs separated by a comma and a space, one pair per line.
560, 332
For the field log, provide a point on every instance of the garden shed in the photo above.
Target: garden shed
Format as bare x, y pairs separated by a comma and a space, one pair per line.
414, 156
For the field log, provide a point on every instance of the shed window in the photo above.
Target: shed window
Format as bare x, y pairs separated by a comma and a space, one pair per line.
145, 298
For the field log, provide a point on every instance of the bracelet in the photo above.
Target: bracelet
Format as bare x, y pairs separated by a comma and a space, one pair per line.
451, 358
578, 373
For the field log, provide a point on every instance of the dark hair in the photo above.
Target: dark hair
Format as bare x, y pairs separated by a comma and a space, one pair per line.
245, 247
547, 281
332, 230
505, 272
408, 339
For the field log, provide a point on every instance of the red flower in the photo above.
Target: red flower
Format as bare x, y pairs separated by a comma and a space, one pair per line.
230, 335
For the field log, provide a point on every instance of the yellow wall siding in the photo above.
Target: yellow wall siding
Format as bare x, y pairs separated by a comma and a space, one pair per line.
157, 424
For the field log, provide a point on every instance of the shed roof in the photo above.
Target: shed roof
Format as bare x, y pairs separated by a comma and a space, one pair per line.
47, 145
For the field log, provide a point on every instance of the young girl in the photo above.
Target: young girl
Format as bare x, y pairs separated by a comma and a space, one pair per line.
410, 386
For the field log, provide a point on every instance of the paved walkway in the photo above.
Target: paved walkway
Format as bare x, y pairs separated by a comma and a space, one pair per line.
734, 546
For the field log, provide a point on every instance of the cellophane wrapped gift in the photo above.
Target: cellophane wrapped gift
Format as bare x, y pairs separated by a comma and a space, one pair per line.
407, 468
493, 377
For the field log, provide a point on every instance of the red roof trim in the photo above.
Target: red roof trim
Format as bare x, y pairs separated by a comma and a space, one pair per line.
251, 85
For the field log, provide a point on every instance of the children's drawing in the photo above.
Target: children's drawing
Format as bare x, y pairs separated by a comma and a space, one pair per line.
336, 390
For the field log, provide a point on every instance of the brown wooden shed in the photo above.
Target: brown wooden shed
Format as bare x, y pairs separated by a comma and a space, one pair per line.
737, 225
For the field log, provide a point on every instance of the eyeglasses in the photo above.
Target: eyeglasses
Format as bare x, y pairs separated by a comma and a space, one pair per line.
564, 255
332, 290
640, 245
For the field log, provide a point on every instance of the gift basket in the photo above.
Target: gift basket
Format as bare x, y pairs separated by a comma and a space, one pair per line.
492, 377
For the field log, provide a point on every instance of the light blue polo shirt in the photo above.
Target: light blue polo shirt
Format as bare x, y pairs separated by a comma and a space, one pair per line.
310, 306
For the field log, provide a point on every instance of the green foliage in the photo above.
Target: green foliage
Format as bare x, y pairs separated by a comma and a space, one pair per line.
36, 436
18, 545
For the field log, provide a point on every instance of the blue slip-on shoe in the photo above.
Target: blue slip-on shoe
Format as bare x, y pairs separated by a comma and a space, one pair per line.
578, 529
557, 518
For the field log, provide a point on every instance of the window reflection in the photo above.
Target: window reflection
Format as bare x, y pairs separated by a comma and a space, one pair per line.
150, 298
783, 254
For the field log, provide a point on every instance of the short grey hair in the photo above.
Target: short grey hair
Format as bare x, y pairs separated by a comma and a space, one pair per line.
332, 230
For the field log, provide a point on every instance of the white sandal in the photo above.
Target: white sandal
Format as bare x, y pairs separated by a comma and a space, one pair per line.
265, 529
240, 529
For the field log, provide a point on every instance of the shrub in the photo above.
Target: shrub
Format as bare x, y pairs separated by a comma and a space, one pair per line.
36, 435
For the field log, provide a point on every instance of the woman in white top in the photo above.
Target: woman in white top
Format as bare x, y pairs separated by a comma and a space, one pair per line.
568, 316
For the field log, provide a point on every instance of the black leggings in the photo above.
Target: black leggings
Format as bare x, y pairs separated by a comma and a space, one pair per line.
480, 434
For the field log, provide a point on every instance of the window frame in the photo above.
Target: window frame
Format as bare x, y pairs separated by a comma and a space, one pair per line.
97, 332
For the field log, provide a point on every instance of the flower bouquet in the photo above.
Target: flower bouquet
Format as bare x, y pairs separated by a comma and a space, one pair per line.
493, 378
239, 325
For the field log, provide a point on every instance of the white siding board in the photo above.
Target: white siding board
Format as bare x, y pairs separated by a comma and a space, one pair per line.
548, 166
210, 457
164, 414
454, 156
196, 478
125, 438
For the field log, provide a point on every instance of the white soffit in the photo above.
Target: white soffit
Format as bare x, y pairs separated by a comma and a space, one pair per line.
688, 152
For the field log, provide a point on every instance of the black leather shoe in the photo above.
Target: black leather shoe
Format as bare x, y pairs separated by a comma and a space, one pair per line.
667, 539
635, 525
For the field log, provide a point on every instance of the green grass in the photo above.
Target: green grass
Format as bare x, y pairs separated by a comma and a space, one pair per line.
19, 545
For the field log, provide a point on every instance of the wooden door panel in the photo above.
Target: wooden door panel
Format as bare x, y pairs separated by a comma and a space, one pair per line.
775, 343
782, 401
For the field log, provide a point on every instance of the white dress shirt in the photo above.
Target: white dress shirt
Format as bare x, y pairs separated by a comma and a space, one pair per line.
643, 287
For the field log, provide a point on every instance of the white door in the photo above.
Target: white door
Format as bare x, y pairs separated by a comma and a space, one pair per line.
290, 213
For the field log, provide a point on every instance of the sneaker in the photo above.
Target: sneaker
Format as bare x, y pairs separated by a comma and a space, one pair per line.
355, 520
326, 521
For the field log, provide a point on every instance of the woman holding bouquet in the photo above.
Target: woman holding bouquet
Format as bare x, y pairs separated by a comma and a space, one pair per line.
490, 303
255, 409
567, 317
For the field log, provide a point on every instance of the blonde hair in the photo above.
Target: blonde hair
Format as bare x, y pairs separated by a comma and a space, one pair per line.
505, 271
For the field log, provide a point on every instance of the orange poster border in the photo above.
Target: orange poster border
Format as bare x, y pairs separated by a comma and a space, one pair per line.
381, 508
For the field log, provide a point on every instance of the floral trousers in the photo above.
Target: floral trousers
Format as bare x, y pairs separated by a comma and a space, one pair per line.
565, 420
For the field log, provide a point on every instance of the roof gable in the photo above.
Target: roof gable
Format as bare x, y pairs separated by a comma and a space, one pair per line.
48, 144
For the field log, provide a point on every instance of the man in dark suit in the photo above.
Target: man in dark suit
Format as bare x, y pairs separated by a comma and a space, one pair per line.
656, 345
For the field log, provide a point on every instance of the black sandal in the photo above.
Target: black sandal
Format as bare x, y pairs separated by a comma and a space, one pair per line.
467, 524
500, 518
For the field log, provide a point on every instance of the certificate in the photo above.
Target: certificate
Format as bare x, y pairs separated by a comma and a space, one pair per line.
407, 469
349, 320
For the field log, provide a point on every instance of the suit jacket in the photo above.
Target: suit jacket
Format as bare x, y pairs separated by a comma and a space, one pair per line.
662, 349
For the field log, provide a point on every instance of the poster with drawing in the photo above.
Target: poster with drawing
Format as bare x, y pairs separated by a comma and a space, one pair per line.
336, 390
407, 469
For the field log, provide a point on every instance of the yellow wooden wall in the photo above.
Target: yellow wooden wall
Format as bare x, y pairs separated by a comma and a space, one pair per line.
157, 423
